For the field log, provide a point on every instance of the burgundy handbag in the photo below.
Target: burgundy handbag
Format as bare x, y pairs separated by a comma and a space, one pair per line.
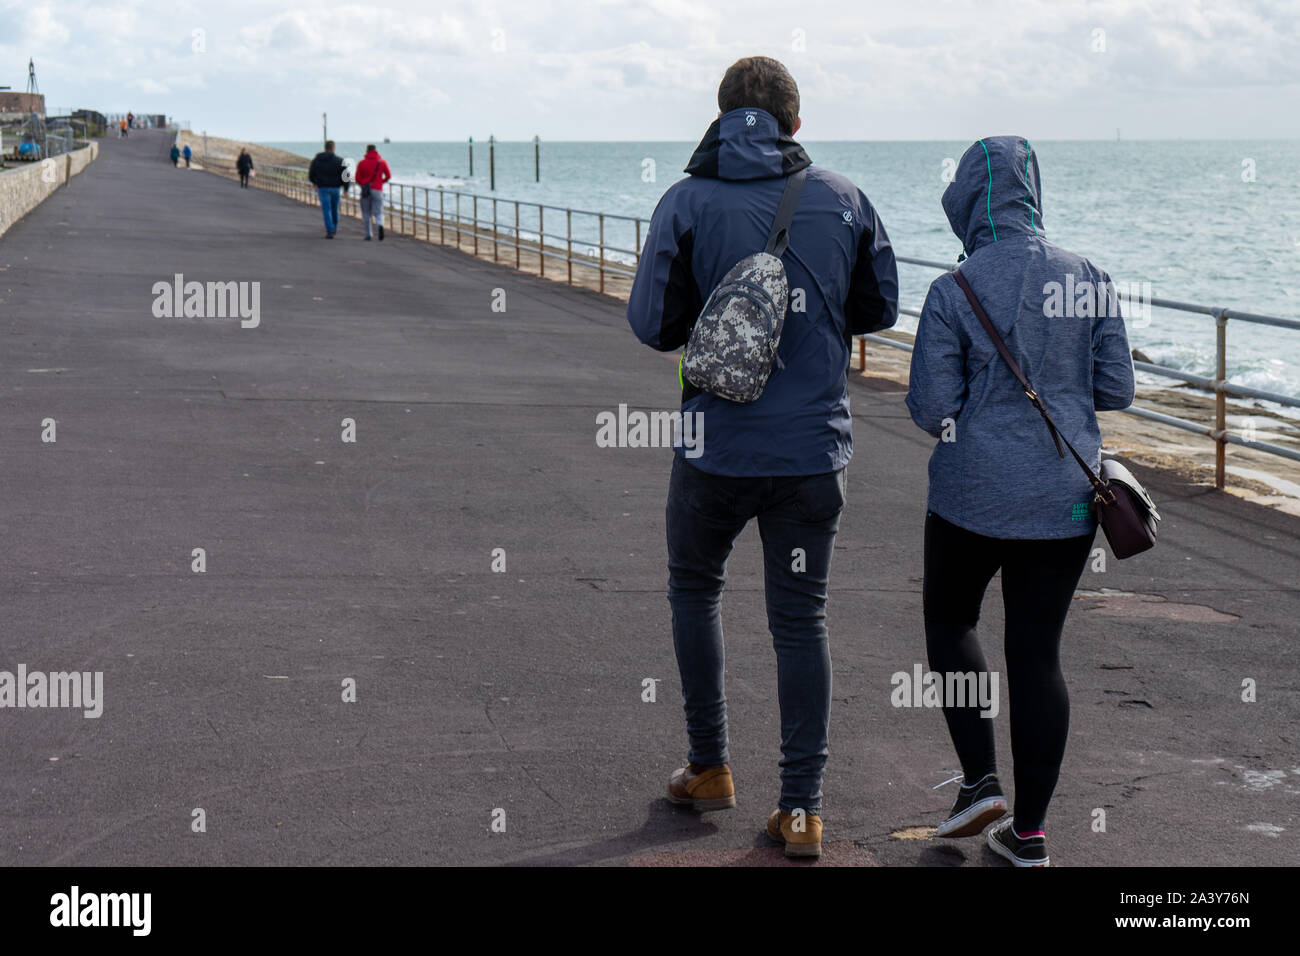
1124, 509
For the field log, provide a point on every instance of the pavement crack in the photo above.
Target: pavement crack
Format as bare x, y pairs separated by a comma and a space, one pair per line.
487, 712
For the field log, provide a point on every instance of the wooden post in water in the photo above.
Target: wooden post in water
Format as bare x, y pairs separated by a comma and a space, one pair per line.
471, 155
537, 159
492, 163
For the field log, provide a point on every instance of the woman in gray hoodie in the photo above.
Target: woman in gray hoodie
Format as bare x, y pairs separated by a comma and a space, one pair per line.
1001, 495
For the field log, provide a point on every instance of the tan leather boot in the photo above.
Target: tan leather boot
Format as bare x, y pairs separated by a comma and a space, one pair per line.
704, 788
808, 842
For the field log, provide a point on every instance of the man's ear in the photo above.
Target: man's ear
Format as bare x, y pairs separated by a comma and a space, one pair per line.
798, 121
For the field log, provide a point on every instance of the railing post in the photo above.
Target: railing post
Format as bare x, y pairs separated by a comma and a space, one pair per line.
637, 245
426, 213
541, 240
1220, 399
495, 244
862, 354
476, 225
602, 252
568, 256
442, 218
458, 220
517, 242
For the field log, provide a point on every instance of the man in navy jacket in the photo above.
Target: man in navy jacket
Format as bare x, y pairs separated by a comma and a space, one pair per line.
780, 459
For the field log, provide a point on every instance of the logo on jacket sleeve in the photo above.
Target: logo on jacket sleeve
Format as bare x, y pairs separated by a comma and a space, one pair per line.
751, 119
847, 215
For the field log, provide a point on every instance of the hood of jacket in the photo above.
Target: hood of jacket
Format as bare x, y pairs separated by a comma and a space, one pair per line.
746, 143
996, 193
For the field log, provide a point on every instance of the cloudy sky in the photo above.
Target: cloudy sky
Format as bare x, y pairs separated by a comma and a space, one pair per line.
648, 69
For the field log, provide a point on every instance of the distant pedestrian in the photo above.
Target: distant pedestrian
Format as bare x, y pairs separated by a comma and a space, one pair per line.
245, 166
326, 174
372, 173
175, 155
121, 130
130, 121
187, 154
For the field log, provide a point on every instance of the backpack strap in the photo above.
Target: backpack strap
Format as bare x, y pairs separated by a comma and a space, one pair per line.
779, 238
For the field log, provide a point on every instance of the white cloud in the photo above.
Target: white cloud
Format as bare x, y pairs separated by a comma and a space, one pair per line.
650, 68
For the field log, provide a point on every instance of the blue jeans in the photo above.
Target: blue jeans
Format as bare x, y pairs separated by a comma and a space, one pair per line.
329, 206
798, 518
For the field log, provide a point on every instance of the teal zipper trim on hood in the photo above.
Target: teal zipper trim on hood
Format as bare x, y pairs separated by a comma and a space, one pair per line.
1029, 154
988, 203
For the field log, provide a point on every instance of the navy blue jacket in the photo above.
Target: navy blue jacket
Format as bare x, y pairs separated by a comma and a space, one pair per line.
998, 472
839, 259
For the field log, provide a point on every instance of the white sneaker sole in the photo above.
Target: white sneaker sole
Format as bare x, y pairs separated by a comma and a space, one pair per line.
974, 818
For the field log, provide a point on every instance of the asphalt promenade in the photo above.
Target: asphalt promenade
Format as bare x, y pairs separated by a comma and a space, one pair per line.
516, 697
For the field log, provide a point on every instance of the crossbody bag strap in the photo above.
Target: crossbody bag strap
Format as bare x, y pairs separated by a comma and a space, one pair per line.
1033, 396
779, 238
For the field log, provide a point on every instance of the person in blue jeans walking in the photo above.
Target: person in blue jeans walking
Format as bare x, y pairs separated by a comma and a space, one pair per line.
780, 459
326, 174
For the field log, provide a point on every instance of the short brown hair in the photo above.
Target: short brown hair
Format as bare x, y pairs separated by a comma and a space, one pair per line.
762, 82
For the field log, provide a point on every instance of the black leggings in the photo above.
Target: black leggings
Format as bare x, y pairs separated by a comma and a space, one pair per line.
1038, 582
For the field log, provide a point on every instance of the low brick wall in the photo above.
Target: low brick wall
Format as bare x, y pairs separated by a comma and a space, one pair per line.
26, 187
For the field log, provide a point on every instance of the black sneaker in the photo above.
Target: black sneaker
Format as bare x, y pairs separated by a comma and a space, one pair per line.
1021, 851
977, 806
381, 233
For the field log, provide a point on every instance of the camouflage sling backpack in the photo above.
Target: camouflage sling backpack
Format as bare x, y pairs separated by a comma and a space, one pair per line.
733, 345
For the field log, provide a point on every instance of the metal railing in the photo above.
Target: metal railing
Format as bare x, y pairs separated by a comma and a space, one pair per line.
456, 214
1219, 385
600, 242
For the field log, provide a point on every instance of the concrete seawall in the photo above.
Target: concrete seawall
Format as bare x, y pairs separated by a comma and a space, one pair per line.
25, 188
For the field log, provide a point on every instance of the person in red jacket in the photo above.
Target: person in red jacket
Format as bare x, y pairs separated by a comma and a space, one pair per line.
372, 172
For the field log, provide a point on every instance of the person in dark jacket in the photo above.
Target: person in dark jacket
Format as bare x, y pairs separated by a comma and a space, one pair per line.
326, 174
175, 155
780, 459
187, 153
1001, 496
244, 164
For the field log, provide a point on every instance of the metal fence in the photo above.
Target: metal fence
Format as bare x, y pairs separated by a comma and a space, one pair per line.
605, 243
600, 242
1219, 385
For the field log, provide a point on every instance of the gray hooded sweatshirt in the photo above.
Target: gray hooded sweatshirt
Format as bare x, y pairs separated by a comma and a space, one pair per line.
995, 469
